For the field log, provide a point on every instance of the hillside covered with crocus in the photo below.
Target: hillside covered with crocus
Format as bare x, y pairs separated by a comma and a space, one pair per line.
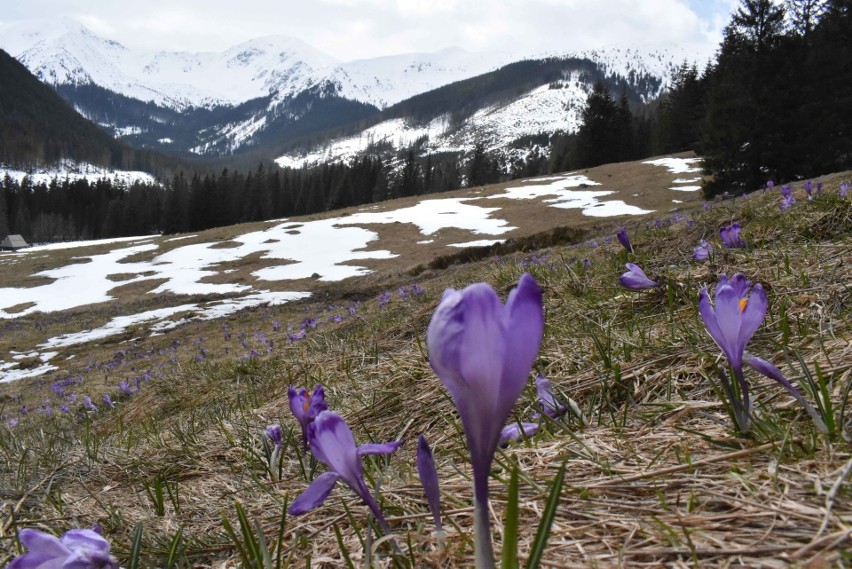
676, 392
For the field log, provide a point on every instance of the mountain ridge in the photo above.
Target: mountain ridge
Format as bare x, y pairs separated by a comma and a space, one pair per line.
275, 90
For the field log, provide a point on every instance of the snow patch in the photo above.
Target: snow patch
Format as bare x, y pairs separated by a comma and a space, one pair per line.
676, 165
568, 198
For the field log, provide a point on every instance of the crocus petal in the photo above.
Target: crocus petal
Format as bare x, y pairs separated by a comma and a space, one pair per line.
525, 330
752, 316
44, 551
739, 283
728, 319
38, 541
635, 278
466, 349
315, 494
378, 448
297, 402
36, 560
772, 372
318, 404
429, 478
333, 444
708, 315
87, 559
624, 239
513, 432
85, 539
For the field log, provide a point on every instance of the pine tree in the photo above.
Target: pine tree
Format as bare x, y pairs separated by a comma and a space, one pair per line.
597, 138
681, 111
409, 182
745, 114
623, 124
804, 15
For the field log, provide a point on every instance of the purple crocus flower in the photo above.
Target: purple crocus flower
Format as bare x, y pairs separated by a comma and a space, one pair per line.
787, 202
730, 236
332, 444
384, 299
703, 251
87, 403
305, 406
108, 401
624, 239
809, 190
770, 184
274, 434
429, 478
77, 549
514, 431
300, 335
786, 190
587, 263
548, 403
737, 315
636, 279
843, 191
125, 388
416, 289
483, 352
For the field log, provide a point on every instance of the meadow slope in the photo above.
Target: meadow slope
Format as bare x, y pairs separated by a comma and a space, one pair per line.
656, 475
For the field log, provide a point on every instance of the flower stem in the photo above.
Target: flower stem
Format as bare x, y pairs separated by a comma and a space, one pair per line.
746, 400
483, 549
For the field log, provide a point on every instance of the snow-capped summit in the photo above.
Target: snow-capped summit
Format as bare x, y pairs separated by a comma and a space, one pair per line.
65, 52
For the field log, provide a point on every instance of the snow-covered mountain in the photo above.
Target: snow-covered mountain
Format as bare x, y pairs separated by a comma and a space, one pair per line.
547, 108
274, 90
63, 51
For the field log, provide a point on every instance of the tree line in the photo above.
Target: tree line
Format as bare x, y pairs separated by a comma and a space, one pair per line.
775, 104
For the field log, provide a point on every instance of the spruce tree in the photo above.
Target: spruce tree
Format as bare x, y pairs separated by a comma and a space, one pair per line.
744, 112
597, 138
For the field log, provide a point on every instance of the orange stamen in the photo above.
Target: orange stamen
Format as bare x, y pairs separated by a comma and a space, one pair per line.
743, 303
307, 401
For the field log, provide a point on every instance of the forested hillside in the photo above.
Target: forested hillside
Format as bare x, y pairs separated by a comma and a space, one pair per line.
39, 127
775, 105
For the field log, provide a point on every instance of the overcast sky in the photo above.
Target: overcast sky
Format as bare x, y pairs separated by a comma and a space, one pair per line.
353, 29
